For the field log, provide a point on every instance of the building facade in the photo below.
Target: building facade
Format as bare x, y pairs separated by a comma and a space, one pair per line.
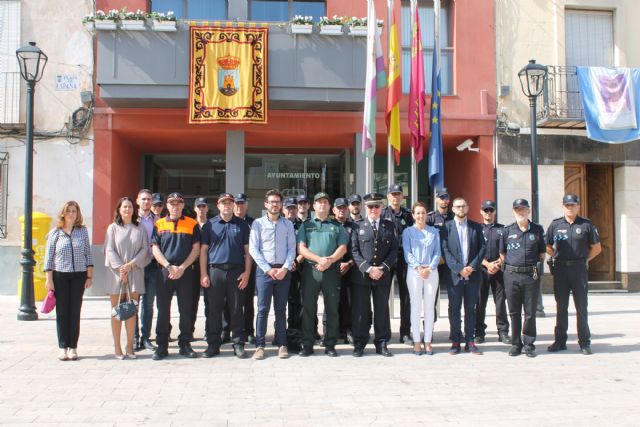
563, 35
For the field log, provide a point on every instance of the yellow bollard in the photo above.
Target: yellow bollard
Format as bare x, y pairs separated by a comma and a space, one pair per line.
40, 227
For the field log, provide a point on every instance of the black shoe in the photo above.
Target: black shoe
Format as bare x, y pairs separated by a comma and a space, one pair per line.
479, 339
406, 339
160, 353
226, 338
137, 345
530, 352
515, 351
187, 351
251, 339
556, 346
294, 348
146, 344
383, 350
330, 351
504, 338
239, 351
540, 314
586, 350
211, 351
306, 351
349, 338
471, 347
455, 348
358, 351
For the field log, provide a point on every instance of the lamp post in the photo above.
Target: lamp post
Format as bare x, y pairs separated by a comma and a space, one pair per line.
533, 78
32, 62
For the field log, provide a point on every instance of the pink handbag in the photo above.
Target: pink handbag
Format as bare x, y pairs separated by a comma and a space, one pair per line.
49, 303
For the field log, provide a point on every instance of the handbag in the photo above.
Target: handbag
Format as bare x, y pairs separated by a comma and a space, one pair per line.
49, 303
125, 309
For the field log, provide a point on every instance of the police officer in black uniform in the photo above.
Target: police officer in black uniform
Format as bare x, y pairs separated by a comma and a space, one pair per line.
341, 213
355, 206
294, 304
374, 246
521, 248
572, 241
401, 218
436, 219
492, 278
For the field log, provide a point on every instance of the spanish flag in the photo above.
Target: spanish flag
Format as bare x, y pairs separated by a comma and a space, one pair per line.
394, 91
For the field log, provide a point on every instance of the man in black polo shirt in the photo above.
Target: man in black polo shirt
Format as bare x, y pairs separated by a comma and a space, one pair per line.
175, 245
225, 267
521, 248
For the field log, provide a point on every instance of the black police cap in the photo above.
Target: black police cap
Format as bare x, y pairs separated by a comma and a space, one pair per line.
395, 188
240, 198
488, 204
201, 201
355, 198
302, 198
442, 192
157, 198
289, 202
520, 203
570, 199
340, 201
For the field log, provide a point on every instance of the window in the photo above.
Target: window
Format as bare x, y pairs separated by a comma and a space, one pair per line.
9, 72
210, 10
426, 29
4, 189
283, 10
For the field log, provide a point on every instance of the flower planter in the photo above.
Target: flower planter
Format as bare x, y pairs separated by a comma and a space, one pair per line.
301, 28
331, 30
133, 25
106, 24
89, 26
163, 25
358, 31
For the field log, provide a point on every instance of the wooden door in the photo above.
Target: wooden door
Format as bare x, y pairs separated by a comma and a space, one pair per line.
600, 211
575, 182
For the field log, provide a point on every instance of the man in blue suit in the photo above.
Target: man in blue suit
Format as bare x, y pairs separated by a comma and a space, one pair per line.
463, 248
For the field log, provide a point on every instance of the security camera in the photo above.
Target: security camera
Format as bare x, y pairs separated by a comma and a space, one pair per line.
467, 145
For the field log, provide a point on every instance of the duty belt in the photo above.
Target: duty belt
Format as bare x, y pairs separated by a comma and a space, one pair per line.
226, 267
568, 262
514, 269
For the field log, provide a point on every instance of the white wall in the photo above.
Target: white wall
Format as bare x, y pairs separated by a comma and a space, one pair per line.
627, 218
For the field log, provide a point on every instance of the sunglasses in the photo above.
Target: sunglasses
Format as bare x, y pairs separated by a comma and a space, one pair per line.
374, 206
489, 210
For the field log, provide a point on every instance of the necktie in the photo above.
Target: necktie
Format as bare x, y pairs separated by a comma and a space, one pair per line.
375, 229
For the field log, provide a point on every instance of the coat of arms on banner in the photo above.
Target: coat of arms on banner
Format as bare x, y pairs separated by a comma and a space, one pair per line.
228, 77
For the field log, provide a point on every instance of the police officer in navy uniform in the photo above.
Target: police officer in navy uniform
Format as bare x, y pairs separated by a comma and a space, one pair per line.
341, 213
572, 241
401, 218
521, 248
355, 205
492, 277
374, 246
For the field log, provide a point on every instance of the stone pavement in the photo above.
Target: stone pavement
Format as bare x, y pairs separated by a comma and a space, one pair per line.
494, 389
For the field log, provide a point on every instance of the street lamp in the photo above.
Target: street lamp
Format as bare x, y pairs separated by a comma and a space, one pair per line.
32, 62
533, 78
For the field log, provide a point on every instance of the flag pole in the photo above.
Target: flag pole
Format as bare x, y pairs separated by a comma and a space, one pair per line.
390, 153
414, 166
436, 45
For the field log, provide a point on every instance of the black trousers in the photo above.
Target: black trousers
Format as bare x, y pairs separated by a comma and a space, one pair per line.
494, 284
183, 287
522, 292
195, 301
249, 310
69, 289
294, 312
344, 307
361, 311
400, 271
224, 289
571, 279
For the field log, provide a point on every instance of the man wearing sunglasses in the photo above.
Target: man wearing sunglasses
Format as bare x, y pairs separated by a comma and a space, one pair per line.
374, 246
492, 277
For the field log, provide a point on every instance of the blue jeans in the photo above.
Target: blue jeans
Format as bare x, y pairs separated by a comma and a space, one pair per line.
467, 291
147, 299
266, 288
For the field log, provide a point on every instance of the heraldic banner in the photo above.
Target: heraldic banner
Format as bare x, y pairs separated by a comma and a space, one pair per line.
228, 75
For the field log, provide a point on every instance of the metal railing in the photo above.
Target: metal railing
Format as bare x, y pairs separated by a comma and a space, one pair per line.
10, 97
561, 95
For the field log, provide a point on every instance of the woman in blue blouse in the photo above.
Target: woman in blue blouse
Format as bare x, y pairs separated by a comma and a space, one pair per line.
69, 269
421, 244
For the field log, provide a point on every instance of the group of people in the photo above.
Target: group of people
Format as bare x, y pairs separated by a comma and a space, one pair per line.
288, 257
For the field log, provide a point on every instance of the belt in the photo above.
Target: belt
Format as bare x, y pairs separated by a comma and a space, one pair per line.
569, 262
514, 269
226, 267
275, 265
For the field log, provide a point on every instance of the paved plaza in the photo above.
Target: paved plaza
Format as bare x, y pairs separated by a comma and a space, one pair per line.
494, 389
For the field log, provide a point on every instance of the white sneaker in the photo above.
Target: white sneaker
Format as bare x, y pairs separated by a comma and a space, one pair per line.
283, 353
259, 354
73, 354
62, 354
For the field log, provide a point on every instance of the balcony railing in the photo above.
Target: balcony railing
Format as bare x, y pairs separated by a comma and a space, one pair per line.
9, 97
559, 102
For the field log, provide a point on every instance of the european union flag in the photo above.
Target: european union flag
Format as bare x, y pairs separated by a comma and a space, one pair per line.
436, 165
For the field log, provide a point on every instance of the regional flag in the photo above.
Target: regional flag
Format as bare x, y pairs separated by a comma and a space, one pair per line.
375, 79
417, 96
436, 164
394, 91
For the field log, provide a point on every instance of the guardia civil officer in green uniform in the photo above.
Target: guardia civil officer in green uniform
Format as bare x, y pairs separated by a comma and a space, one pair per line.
572, 241
322, 242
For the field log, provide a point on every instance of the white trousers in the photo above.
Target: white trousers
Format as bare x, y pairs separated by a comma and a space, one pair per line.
422, 293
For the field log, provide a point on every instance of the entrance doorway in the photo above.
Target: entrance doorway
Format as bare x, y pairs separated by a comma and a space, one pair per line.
593, 183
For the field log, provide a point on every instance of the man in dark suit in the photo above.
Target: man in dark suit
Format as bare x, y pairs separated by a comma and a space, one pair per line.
374, 248
463, 248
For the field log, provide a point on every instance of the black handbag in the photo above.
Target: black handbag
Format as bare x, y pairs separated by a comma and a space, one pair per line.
126, 309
